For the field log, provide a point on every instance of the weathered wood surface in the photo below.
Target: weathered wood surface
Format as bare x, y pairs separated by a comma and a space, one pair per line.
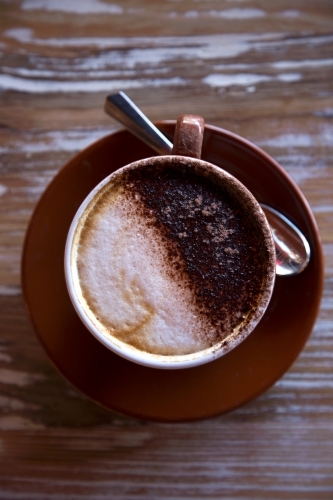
261, 69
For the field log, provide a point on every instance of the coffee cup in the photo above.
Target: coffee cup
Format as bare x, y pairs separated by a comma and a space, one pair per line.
170, 261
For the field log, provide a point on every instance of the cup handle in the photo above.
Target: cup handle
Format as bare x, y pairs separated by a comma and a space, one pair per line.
188, 136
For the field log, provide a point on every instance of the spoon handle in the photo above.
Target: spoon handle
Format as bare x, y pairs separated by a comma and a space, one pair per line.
120, 107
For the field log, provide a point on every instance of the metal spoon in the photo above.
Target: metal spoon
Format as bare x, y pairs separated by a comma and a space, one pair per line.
291, 246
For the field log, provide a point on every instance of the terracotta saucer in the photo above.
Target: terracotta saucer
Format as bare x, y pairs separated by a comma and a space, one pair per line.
167, 395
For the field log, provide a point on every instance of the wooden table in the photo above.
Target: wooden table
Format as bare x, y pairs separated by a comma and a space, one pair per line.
262, 70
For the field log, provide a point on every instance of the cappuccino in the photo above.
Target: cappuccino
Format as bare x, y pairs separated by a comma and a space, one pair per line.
172, 257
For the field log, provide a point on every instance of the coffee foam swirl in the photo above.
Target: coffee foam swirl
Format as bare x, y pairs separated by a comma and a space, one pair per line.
128, 284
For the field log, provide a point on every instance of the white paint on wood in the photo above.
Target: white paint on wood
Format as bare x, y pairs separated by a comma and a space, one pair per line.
290, 140
8, 404
322, 209
73, 6
328, 249
200, 46
289, 77
4, 358
324, 327
291, 13
8, 82
235, 13
19, 378
265, 66
307, 63
10, 258
80, 67
245, 79
56, 140
322, 136
319, 354
327, 304
301, 174
324, 384
18, 423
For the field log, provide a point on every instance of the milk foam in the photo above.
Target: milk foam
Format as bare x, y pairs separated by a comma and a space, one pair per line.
129, 287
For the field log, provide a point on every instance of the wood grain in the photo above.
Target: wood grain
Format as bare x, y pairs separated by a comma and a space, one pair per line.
262, 70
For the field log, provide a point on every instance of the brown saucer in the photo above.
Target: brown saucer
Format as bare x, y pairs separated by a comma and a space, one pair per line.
153, 394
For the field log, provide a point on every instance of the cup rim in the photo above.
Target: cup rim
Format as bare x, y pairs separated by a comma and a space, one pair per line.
185, 360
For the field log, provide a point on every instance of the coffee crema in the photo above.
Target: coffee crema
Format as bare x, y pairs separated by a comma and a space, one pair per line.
170, 259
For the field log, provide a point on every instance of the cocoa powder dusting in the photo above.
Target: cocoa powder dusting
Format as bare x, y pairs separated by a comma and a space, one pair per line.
224, 256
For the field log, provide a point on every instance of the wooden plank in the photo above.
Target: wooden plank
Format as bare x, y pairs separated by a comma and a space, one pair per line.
264, 71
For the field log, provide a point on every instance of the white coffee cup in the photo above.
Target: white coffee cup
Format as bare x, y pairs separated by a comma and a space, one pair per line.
187, 151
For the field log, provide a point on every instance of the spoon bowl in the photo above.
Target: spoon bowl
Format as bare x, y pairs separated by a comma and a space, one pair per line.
291, 247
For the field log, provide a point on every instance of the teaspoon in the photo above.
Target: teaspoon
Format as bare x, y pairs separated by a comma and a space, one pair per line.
291, 246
